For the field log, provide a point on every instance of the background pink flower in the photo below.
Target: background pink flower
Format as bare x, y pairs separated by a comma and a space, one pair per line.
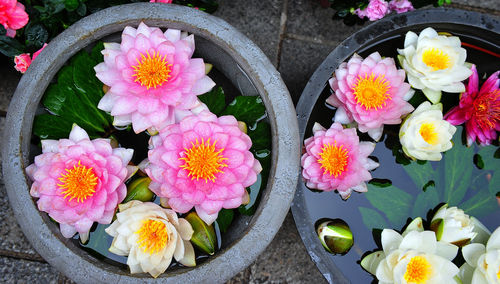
376, 9
79, 181
401, 6
150, 74
334, 159
203, 161
38, 51
22, 62
479, 109
12, 16
371, 92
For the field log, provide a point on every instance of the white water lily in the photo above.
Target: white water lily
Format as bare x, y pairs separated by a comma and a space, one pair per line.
453, 226
150, 235
482, 262
415, 258
424, 134
434, 63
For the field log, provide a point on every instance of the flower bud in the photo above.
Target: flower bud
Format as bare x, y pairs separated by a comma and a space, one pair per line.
139, 190
335, 236
243, 127
453, 226
204, 236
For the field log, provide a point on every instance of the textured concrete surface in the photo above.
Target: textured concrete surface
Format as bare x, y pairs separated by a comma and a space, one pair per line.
296, 35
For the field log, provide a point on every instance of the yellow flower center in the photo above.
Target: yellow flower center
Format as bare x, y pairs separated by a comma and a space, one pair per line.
333, 159
428, 132
153, 236
371, 92
418, 270
436, 59
487, 110
498, 273
152, 71
78, 183
202, 161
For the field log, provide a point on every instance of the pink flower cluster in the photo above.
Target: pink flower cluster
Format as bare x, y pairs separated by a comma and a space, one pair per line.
377, 9
202, 162
12, 16
23, 61
79, 181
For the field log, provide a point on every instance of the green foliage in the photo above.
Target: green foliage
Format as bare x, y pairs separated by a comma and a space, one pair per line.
215, 100
224, 219
372, 219
395, 203
73, 99
48, 18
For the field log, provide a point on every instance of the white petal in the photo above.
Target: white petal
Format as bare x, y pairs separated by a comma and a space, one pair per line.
422, 241
466, 272
341, 116
77, 134
185, 230
179, 248
483, 234
432, 95
494, 241
131, 170
49, 146
318, 127
472, 252
372, 261
478, 278
390, 240
189, 258
124, 154
376, 133
410, 39
446, 250
416, 225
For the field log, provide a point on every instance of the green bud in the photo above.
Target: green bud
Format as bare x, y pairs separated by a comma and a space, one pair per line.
437, 226
139, 190
335, 236
208, 68
242, 126
204, 236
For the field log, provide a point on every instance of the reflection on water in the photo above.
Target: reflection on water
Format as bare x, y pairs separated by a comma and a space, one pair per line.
402, 192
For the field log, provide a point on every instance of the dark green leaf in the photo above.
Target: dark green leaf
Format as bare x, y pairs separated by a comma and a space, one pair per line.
82, 10
215, 100
10, 47
372, 219
48, 126
420, 174
431, 183
248, 109
487, 154
36, 35
392, 201
71, 5
54, 99
224, 219
481, 204
458, 170
54, 6
96, 52
260, 135
424, 202
380, 182
478, 161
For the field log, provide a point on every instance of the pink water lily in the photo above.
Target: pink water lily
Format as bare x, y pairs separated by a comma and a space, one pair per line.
479, 109
12, 16
79, 181
150, 75
202, 162
371, 92
376, 9
335, 159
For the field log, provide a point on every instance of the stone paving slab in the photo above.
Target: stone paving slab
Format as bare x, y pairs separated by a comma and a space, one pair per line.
258, 20
23, 271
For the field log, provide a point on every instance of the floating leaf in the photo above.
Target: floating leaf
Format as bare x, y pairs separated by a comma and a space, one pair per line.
215, 100
392, 201
372, 219
424, 201
380, 182
260, 135
488, 156
48, 126
255, 190
458, 170
421, 174
494, 185
248, 109
224, 219
481, 204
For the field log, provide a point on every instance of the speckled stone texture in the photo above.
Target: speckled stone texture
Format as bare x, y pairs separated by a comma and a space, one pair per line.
296, 35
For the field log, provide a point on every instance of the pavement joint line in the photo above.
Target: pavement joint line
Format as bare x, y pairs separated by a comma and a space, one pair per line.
282, 33
21, 255
311, 39
474, 8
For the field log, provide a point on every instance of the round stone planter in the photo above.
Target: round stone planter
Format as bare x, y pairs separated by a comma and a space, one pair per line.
308, 206
240, 60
